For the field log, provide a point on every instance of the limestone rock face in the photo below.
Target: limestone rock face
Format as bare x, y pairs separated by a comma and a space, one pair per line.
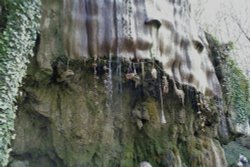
147, 29
108, 111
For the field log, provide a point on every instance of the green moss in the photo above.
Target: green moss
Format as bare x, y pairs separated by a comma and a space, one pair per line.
184, 152
233, 150
234, 83
237, 90
128, 156
90, 102
151, 107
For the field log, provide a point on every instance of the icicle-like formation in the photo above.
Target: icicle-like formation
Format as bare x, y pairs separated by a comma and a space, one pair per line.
165, 84
163, 119
154, 73
180, 93
142, 70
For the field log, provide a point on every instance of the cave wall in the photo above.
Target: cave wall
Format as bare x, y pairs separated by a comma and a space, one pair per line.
79, 108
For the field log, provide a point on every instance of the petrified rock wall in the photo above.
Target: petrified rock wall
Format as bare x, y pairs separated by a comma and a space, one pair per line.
91, 94
160, 30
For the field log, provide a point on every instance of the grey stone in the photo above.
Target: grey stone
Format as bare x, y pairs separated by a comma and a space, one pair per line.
19, 164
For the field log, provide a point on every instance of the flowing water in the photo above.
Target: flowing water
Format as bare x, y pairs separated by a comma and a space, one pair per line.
109, 85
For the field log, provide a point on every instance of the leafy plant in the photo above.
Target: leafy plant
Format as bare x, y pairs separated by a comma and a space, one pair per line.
234, 82
237, 90
16, 45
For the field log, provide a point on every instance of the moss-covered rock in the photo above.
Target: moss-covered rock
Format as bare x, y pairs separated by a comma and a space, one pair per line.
80, 129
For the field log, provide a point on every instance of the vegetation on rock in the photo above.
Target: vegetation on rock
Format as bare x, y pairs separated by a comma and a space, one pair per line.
235, 84
16, 46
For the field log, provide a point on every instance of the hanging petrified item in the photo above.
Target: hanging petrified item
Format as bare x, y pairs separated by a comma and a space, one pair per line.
154, 73
165, 84
130, 76
105, 68
63, 75
133, 76
137, 80
142, 70
197, 96
180, 93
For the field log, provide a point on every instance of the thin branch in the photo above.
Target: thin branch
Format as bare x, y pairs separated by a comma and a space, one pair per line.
241, 29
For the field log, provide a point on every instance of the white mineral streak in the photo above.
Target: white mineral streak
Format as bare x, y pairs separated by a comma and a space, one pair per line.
160, 29
178, 162
217, 154
145, 164
243, 128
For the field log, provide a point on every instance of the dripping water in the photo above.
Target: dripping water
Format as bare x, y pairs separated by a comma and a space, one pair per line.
109, 85
109, 127
118, 75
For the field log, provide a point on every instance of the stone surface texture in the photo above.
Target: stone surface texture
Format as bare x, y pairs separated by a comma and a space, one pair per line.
95, 117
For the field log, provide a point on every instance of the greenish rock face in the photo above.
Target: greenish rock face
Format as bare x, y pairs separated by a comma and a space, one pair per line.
109, 112
71, 122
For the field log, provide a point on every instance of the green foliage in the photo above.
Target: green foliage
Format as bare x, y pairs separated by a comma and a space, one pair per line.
232, 152
236, 90
16, 45
235, 84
